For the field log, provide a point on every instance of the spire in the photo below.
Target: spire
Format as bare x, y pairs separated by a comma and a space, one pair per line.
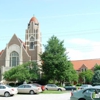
33, 19
33, 15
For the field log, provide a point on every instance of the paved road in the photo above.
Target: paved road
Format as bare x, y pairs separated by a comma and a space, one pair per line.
64, 96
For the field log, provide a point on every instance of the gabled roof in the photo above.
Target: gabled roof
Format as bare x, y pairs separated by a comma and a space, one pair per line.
89, 63
22, 43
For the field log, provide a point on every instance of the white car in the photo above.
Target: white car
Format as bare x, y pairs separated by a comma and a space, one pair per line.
54, 87
29, 88
85, 94
6, 90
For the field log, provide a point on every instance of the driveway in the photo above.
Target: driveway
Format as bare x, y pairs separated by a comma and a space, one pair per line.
64, 96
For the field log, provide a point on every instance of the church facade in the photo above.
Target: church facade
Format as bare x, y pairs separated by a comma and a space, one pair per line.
18, 52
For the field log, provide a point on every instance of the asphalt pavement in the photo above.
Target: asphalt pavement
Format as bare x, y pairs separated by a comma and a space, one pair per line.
64, 96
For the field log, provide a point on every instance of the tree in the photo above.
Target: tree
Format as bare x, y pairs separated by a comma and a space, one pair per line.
24, 72
96, 78
55, 61
96, 67
34, 71
86, 76
19, 73
72, 75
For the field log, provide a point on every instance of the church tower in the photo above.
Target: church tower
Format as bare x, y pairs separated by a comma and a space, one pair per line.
33, 40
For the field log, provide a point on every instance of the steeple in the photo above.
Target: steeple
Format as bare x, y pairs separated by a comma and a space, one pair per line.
33, 39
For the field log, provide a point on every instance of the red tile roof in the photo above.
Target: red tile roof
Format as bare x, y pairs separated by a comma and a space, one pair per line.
90, 63
33, 19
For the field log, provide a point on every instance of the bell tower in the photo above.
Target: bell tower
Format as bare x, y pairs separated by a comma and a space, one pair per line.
33, 40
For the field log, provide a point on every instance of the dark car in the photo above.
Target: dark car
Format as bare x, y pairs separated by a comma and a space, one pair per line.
70, 87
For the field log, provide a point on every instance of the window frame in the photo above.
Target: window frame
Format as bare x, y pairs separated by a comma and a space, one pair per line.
14, 59
31, 44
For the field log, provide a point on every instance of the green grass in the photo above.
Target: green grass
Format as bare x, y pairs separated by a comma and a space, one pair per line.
53, 92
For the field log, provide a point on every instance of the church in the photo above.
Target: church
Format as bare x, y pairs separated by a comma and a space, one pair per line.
18, 52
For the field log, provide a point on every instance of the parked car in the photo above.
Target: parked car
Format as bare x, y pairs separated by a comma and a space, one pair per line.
29, 88
6, 90
42, 86
54, 87
70, 87
86, 94
85, 86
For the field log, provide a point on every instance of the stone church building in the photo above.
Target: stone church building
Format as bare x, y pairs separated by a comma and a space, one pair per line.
18, 52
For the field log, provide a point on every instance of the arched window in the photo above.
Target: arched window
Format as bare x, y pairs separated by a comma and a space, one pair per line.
32, 39
14, 59
31, 45
32, 42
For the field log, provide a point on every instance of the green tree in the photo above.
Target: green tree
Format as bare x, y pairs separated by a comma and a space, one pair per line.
96, 78
19, 73
24, 72
55, 61
86, 76
34, 70
72, 75
96, 67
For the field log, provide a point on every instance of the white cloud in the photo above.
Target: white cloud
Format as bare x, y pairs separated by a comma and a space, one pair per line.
79, 41
74, 54
83, 49
95, 52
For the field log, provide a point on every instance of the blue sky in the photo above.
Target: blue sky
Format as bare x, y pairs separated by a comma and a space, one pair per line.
77, 22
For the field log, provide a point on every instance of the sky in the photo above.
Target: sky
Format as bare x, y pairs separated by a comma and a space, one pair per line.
76, 22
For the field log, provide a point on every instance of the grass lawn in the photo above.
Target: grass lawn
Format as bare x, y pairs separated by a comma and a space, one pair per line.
53, 92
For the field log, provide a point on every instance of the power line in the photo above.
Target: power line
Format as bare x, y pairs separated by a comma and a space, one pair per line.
81, 47
70, 33
76, 32
5, 38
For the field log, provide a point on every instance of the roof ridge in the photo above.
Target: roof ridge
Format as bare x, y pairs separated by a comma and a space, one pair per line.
86, 59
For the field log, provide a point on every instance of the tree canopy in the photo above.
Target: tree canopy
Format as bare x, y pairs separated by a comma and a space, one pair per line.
96, 67
72, 75
86, 76
21, 73
56, 65
96, 78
